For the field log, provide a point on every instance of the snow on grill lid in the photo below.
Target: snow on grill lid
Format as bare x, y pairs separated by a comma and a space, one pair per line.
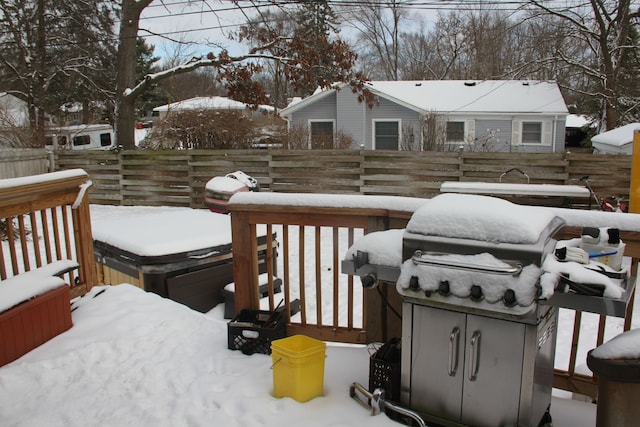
481, 218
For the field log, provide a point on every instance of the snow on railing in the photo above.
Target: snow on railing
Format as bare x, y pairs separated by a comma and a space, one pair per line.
303, 222
45, 218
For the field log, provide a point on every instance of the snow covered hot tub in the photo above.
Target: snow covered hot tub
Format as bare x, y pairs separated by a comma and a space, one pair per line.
180, 253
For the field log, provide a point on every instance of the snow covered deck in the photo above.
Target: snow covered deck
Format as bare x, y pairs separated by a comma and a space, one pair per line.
134, 358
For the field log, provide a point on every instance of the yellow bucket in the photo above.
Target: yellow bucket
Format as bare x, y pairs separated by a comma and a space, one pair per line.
298, 367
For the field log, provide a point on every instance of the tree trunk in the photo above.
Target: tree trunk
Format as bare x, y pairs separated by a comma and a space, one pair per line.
125, 103
40, 92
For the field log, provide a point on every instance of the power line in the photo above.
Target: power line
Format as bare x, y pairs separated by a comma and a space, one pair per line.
347, 6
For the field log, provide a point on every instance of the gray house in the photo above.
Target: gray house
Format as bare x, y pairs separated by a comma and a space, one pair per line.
483, 115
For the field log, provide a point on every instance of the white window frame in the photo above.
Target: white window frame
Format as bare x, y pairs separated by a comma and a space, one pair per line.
546, 132
373, 131
333, 126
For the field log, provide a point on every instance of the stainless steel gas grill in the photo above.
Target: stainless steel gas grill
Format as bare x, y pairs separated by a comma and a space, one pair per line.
480, 308
477, 346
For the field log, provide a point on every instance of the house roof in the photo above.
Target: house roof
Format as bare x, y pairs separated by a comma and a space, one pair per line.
617, 137
463, 96
207, 103
579, 121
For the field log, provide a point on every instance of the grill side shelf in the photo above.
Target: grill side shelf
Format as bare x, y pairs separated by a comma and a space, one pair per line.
383, 273
616, 307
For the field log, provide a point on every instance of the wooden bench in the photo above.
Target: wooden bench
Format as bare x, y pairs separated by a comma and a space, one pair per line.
34, 307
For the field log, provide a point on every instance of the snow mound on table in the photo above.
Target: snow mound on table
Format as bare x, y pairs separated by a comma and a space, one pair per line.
482, 218
383, 247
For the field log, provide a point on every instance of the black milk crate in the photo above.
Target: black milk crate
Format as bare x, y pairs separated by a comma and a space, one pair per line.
384, 370
252, 331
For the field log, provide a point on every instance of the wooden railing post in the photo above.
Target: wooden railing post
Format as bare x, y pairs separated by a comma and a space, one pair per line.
88, 274
245, 262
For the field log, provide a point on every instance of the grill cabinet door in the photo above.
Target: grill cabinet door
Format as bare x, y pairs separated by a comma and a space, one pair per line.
437, 362
492, 372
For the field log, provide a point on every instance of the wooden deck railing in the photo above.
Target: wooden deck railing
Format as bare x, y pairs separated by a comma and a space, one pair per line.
304, 217
44, 218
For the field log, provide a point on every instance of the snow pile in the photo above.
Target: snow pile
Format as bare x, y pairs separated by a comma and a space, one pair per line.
30, 284
483, 218
133, 358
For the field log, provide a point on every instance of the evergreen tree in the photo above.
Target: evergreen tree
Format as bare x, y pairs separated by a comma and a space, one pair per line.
145, 64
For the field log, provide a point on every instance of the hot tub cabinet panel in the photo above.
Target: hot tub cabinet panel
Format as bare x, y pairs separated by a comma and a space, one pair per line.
34, 322
469, 369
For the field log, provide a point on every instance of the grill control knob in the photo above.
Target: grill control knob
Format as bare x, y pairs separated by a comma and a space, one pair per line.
414, 285
509, 298
369, 281
476, 293
444, 288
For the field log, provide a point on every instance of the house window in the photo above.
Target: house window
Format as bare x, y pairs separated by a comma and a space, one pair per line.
321, 135
387, 135
105, 139
455, 131
531, 132
81, 140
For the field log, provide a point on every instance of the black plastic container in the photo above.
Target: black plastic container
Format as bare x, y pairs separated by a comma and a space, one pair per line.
252, 331
384, 370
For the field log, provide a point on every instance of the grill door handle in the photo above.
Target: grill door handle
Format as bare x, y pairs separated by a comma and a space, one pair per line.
474, 345
419, 258
454, 341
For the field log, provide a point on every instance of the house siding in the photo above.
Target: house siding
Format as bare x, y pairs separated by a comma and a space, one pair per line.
411, 122
491, 130
493, 134
351, 116
323, 109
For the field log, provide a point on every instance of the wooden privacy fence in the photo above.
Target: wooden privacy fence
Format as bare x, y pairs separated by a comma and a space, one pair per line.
17, 162
178, 178
302, 218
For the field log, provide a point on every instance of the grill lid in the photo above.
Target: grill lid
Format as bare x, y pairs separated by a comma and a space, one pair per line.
482, 218
478, 248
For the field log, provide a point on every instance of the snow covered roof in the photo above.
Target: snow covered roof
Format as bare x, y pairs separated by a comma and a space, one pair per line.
208, 103
618, 140
578, 121
464, 96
